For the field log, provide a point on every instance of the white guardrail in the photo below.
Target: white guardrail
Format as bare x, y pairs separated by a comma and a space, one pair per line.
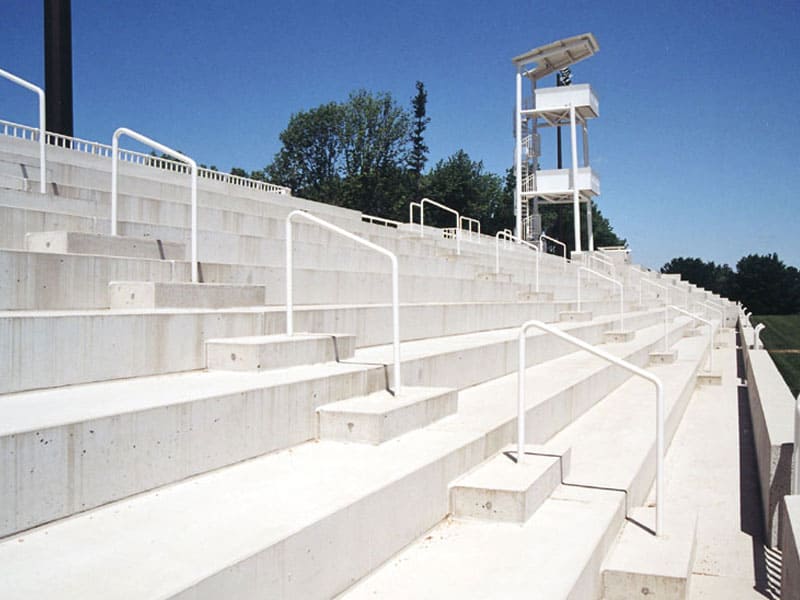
166, 150
25, 132
710, 332
421, 205
510, 237
614, 360
40, 133
395, 282
605, 262
654, 284
612, 280
558, 243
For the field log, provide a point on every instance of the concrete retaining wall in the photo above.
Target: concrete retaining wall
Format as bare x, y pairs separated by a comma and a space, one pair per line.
771, 410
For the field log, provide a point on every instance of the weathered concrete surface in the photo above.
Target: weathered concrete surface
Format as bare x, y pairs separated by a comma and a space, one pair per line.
262, 352
790, 573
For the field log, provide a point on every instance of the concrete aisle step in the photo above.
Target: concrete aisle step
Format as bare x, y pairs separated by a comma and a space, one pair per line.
320, 507
158, 294
76, 242
558, 552
182, 424
262, 352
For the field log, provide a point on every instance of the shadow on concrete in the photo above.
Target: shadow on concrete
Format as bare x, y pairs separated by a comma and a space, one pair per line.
766, 560
383, 366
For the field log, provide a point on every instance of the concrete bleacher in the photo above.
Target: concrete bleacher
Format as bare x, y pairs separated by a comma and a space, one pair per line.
163, 439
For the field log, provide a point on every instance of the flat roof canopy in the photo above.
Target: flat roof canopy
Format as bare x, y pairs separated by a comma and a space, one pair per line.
557, 55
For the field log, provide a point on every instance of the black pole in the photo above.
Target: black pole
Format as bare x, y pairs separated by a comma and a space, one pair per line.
58, 66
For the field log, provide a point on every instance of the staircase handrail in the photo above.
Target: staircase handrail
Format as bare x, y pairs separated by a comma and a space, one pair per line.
614, 360
604, 262
612, 280
710, 331
717, 309
507, 235
42, 123
642, 281
166, 150
421, 204
364, 242
469, 221
544, 236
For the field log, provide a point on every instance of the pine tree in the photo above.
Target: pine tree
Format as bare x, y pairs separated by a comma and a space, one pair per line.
418, 155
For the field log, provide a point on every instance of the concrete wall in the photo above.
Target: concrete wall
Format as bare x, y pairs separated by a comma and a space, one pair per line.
790, 571
771, 410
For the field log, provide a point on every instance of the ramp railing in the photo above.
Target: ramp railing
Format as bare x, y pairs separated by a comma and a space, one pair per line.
612, 280
42, 124
115, 152
510, 237
613, 360
359, 240
559, 243
702, 320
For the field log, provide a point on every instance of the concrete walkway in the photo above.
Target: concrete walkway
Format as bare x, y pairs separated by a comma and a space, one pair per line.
711, 468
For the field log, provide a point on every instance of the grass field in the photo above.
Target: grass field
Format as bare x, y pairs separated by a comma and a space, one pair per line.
782, 339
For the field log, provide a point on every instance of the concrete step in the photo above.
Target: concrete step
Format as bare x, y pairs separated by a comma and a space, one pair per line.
573, 316
503, 489
256, 353
333, 499
169, 427
156, 294
559, 551
76, 242
382, 416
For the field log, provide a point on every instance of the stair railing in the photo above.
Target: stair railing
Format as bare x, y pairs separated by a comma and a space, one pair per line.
470, 229
605, 262
559, 243
653, 284
508, 236
358, 239
614, 360
757, 345
710, 331
707, 305
42, 124
421, 204
166, 150
612, 280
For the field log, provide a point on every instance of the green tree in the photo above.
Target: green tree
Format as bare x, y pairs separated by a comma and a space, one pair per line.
708, 275
418, 155
767, 286
557, 222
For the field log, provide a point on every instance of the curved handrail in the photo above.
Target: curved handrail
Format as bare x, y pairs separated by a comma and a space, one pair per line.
544, 236
508, 236
166, 150
363, 242
443, 207
603, 261
757, 345
612, 280
710, 331
470, 231
715, 308
654, 284
614, 360
42, 124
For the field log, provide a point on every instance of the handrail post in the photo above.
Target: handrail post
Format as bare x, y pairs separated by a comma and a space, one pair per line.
506, 235
612, 280
757, 345
558, 242
42, 124
395, 283
660, 411
448, 209
710, 332
165, 150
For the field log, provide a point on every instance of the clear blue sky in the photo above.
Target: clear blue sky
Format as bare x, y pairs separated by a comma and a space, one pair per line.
696, 144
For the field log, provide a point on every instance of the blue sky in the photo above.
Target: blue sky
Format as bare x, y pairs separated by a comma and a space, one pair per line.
696, 144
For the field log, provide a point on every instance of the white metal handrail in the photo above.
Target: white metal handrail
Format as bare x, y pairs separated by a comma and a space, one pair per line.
614, 360
421, 204
707, 305
42, 124
654, 284
757, 345
380, 221
507, 235
469, 229
140, 158
612, 280
166, 150
605, 262
559, 243
710, 332
363, 242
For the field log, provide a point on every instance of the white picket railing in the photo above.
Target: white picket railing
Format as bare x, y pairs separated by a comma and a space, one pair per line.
25, 132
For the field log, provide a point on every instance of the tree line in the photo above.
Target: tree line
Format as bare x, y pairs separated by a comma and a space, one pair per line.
763, 283
369, 153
